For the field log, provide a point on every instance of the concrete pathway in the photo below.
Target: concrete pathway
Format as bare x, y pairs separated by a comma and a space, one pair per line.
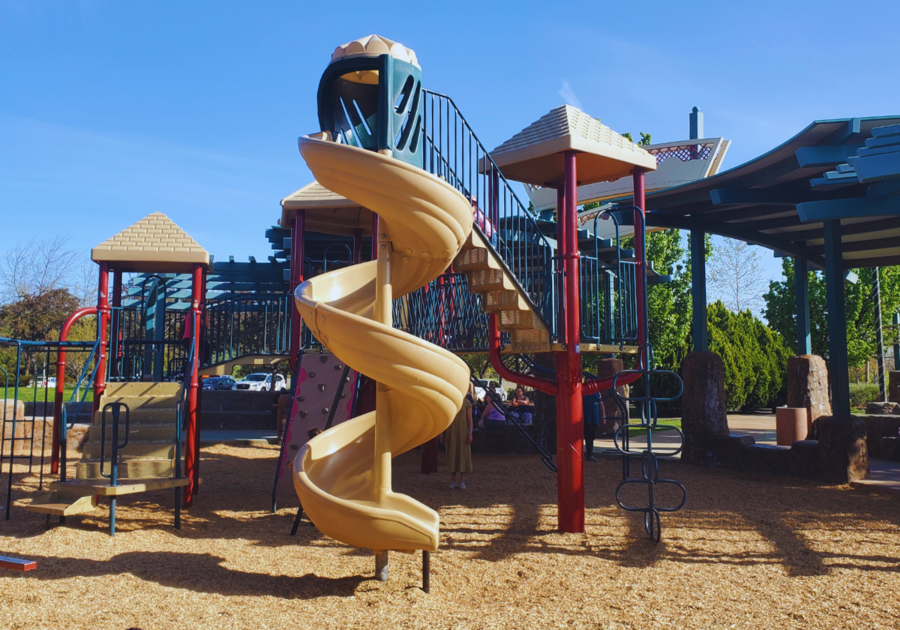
884, 475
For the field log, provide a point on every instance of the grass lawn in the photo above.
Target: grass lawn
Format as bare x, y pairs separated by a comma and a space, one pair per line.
29, 394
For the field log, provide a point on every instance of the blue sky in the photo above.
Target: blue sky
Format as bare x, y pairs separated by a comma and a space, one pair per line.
111, 110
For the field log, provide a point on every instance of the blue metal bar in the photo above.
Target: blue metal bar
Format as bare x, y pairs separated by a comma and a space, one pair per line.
837, 320
801, 293
698, 290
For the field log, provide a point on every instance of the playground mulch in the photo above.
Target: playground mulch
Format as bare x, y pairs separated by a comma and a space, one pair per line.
746, 552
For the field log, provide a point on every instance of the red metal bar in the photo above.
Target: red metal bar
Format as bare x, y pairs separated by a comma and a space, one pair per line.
192, 440
569, 412
298, 235
103, 323
548, 387
61, 384
594, 385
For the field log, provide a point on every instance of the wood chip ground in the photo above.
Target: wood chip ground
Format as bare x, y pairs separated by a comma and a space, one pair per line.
746, 552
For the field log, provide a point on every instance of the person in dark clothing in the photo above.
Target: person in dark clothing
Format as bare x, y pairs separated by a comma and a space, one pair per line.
591, 406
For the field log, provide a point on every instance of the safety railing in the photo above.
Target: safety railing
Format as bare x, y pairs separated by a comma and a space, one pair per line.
608, 292
252, 325
444, 313
453, 151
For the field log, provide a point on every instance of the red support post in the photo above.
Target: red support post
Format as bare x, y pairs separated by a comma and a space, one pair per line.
298, 235
569, 412
192, 439
102, 333
61, 385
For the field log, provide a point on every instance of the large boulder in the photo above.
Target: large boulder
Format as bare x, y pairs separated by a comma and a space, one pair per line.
703, 414
843, 453
878, 427
882, 408
807, 385
894, 387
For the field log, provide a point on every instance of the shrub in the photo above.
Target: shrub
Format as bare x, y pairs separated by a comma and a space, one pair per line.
862, 393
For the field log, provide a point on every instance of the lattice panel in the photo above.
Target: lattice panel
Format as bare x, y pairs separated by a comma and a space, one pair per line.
684, 152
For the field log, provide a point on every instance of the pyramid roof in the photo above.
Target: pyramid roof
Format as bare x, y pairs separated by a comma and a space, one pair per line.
535, 154
153, 244
325, 211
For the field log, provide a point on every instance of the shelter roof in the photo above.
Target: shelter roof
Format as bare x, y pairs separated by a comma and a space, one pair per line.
781, 199
535, 154
326, 211
153, 244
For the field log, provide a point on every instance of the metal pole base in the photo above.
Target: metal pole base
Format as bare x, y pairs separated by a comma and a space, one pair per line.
381, 566
426, 571
297, 520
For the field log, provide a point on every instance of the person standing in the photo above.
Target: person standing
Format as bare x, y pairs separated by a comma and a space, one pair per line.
459, 442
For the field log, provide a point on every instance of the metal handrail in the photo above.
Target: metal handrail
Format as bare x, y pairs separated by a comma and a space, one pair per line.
116, 408
454, 152
546, 456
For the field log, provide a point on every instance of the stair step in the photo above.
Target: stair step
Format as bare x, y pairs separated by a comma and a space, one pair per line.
474, 259
510, 320
502, 300
129, 469
487, 280
142, 389
65, 502
159, 432
140, 450
143, 403
137, 417
530, 340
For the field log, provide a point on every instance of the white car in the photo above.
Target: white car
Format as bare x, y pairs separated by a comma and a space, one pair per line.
261, 382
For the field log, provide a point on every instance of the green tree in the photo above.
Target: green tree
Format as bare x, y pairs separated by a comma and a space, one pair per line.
780, 310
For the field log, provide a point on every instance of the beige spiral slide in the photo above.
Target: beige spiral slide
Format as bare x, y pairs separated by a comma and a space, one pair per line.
343, 476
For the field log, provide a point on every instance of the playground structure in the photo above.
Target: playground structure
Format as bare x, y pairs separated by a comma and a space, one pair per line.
517, 285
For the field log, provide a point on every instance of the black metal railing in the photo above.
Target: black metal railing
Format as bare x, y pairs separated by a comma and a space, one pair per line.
252, 325
453, 151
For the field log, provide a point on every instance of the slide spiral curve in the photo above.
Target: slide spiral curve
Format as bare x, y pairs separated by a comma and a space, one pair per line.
426, 221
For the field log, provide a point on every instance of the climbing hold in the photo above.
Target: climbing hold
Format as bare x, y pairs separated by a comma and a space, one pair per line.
323, 358
301, 398
338, 367
312, 375
405, 259
303, 413
322, 387
324, 409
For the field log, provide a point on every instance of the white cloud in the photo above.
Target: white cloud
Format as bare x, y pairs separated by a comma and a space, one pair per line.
568, 95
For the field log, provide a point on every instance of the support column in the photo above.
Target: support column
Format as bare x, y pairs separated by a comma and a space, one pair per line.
879, 334
801, 296
192, 382
102, 330
837, 319
298, 235
698, 290
381, 473
569, 411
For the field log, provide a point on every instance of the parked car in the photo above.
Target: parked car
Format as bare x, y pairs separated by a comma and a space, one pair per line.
218, 383
482, 384
261, 382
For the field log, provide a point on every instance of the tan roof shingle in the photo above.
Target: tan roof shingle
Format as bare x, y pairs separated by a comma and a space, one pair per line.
153, 244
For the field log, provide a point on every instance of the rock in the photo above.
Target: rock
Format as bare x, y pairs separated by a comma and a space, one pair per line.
807, 385
609, 421
877, 427
843, 453
883, 408
894, 387
805, 458
769, 459
703, 414
890, 448
12, 408
731, 450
